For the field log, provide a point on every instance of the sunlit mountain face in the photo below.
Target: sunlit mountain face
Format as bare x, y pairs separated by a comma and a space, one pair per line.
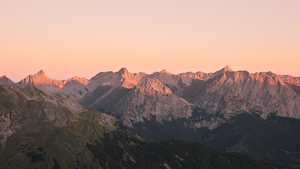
234, 111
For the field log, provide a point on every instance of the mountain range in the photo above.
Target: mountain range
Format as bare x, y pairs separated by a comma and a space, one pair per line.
168, 96
197, 107
55, 131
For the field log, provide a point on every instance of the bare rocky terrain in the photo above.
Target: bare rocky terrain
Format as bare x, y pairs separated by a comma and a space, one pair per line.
133, 97
199, 107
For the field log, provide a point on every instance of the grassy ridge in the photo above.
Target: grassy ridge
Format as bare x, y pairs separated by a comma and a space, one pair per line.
39, 142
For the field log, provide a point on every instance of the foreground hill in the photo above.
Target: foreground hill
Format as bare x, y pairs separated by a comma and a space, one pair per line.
55, 131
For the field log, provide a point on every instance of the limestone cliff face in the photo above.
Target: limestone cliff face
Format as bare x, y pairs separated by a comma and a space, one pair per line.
114, 79
134, 96
285, 78
164, 77
221, 94
140, 105
121, 78
234, 92
204, 76
145, 97
74, 86
40, 79
154, 88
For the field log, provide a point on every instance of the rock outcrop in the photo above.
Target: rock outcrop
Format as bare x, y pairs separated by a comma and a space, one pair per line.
234, 92
285, 78
154, 88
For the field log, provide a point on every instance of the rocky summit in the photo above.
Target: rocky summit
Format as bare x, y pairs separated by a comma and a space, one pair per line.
51, 86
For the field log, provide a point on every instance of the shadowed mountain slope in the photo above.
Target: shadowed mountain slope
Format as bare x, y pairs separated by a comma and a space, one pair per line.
55, 131
6, 81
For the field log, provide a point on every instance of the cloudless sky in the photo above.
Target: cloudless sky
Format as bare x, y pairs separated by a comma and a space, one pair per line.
73, 37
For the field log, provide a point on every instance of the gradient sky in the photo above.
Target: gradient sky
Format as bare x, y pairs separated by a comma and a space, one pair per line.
71, 37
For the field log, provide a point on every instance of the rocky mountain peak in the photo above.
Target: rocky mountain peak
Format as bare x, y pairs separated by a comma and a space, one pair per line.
125, 78
50, 86
269, 73
226, 69
223, 70
6, 81
40, 73
4, 78
164, 72
83, 81
154, 87
37, 79
122, 71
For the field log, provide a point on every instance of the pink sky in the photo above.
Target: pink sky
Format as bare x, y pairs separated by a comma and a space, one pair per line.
82, 38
